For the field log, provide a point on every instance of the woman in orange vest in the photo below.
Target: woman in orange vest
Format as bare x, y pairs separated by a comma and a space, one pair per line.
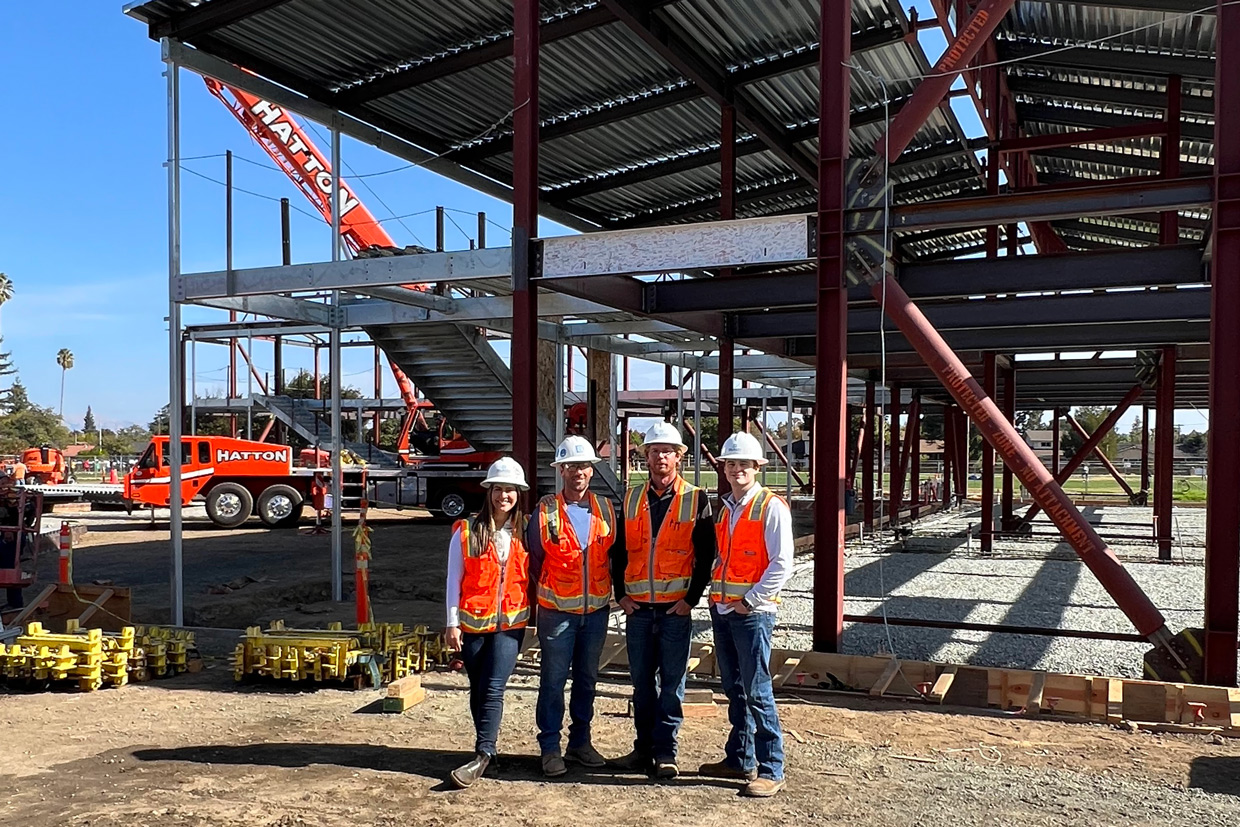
489, 605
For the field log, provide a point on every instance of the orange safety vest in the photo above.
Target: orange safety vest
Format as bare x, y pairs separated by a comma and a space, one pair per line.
659, 568
494, 595
742, 555
575, 578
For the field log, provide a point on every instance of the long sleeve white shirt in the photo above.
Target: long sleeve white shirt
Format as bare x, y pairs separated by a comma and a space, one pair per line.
456, 569
777, 533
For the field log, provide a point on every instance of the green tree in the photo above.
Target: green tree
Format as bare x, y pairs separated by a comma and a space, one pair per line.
1193, 443
6, 289
16, 399
1030, 421
1090, 417
6, 369
64, 358
88, 424
31, 426
301, 386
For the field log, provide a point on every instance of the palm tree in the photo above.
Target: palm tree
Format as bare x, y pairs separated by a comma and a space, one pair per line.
6, 289
64, 358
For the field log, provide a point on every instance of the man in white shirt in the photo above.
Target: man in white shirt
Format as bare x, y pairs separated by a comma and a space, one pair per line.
753, 531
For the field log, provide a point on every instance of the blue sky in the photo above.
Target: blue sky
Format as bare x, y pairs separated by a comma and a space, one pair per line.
84, 238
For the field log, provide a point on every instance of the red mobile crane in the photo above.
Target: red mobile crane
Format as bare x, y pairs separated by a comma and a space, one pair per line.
286, 143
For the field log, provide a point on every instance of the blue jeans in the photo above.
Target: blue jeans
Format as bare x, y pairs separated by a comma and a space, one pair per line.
658, 648
570, 643
743, 654
489, 661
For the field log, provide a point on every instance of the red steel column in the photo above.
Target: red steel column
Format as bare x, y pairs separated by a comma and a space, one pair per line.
1145, 447
525, 228
895, 485
1007, 497
988, 462
1164, 452
868, 446
962, 454
830, 385
1223, 465
1056, 445
727, 210
727, 402
1169, 226
915, 462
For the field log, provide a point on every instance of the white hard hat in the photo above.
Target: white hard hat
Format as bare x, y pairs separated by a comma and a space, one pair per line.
574, 449
664, 433
742, 446
505, 471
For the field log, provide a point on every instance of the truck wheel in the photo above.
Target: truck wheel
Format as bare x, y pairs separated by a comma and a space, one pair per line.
229, 505
279, 506
453, 505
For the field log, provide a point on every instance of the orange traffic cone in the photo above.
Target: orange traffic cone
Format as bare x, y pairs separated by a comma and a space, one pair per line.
112, 478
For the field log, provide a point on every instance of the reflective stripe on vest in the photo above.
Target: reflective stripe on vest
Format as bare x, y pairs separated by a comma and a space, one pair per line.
575, 578
659, 567
494, 596
742, 555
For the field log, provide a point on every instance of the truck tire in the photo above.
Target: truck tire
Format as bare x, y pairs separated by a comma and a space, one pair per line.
229, 505
279, 506
452, 504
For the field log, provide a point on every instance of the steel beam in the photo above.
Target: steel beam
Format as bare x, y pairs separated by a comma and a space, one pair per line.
1056, 445
867, 458
524, 229
1117, 61
208, 17
1222, 563
989, 380
1007, 495
1040, 143
1095, 93
894, 483
915, 470
1100, 456
1164, 452
1169, 225
1095, 439
830, 435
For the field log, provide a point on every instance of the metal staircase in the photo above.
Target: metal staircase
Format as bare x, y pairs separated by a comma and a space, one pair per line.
456, 368
302, 416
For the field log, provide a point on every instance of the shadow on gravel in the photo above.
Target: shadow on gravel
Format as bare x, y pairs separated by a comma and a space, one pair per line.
1219, 775
429, 763
1043, 602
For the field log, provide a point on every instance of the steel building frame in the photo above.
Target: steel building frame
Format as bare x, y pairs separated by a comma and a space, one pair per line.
1144, 239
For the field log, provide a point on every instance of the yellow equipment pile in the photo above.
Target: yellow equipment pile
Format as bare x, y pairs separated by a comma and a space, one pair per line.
92, 658
374, 653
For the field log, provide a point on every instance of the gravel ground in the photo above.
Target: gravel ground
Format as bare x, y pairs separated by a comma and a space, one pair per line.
938, 575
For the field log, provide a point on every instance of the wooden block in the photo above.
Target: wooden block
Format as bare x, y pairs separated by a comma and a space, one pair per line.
698, 710
33, 606
885, 679
942, 684
95, 606
699, 696
1033, 704
1115, 700
404, 693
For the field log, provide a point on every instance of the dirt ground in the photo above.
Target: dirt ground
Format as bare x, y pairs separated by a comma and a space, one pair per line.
198, 750
195, 750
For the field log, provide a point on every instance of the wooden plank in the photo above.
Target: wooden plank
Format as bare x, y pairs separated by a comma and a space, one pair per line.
33, 606
1115, 700
95, 606
885, 679
942, 684
1033, 705
785, 672
404, 693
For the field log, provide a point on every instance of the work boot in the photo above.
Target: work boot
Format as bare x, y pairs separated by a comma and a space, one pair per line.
722, 769
633, 762
762, 787
553, 765
467, 774
666, 769
586, 756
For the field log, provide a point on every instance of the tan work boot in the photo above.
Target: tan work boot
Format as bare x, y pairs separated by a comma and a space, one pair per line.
553, 765
465, 775
722, 769
762, 787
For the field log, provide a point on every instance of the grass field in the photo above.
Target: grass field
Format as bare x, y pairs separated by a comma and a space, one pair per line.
1187, 489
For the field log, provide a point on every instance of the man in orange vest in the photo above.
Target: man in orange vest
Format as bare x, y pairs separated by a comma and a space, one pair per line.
571, 538
753, 531
669, 547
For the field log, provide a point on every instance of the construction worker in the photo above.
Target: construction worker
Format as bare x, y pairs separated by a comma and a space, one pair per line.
488, 598
571, 538
753, 531
669, 548
19, 472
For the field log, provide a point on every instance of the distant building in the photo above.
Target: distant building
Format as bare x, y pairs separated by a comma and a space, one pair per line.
1043, 444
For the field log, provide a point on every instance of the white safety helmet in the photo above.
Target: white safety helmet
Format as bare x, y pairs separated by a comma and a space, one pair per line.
664, 433
574, 449
506, 471
742, 446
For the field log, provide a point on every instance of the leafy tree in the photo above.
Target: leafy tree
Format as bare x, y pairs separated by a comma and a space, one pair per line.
301, 386
1193, 443
64, 358
1030, 421
88, 424
6, 289
31, 427
1090, 417
6, 369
